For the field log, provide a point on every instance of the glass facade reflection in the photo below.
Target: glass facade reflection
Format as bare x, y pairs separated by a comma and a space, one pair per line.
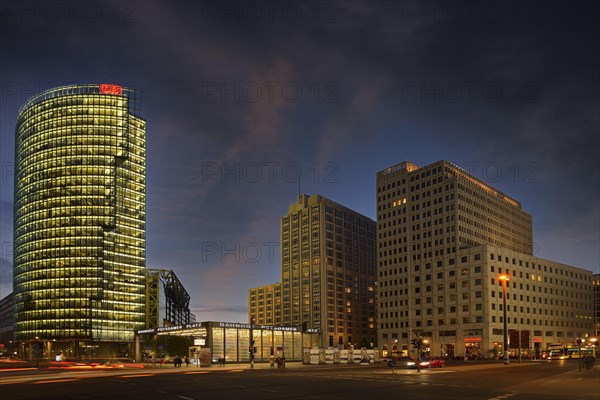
79, 218
230, 341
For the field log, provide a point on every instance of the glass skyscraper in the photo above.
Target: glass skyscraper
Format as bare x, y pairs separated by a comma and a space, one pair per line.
79, 218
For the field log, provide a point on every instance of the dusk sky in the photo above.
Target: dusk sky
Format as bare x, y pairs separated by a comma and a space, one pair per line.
249, 103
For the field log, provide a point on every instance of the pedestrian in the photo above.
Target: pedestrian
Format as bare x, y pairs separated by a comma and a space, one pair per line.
187, 361
271, 361
589, 362
392, 365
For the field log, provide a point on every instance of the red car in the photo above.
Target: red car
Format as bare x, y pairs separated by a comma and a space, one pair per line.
428, 362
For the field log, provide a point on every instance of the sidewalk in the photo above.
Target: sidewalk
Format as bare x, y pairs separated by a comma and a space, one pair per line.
244, 366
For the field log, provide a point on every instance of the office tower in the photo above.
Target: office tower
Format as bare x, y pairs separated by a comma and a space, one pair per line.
264, 304
79, 220
443, 239
328, 271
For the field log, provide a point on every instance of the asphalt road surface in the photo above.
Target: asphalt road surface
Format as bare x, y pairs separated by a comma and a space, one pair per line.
527, 381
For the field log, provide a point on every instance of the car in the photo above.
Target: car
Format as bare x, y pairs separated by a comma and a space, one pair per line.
427, 362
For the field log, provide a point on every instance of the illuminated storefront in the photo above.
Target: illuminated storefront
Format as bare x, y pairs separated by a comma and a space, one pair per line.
79, 252
231, 341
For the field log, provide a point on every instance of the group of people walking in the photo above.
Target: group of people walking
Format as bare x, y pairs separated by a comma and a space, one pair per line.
178, 361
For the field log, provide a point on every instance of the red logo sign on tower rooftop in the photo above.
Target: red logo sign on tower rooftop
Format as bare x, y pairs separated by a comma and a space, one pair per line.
106, 88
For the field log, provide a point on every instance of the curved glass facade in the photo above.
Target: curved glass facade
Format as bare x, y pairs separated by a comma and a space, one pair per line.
80, 215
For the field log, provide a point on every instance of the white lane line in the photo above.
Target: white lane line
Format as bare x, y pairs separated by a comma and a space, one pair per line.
185, 398
503, 396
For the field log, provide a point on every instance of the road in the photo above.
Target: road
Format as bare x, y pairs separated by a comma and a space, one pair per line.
527, 381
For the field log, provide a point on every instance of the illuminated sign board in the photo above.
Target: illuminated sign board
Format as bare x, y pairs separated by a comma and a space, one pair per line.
263, 327
234, 325
199, 342
472, 339
106, 88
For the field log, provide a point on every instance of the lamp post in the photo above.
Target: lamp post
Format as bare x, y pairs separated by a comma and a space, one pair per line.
579, 342
252, 342
504, 278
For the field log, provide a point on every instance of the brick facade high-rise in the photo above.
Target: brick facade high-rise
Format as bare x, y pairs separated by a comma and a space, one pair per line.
328, 273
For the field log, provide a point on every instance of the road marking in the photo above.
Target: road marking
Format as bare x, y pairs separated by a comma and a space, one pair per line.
236, 370
504, 396
196, 372
161, 391
185, 398
134, 376
56, 381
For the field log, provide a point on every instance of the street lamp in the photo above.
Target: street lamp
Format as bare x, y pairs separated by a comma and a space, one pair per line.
504, 278
579, 343
252, 348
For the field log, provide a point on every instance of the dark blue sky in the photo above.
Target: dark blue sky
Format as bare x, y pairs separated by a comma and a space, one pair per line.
241, 98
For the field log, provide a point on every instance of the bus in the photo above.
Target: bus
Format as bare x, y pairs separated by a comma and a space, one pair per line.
565, 352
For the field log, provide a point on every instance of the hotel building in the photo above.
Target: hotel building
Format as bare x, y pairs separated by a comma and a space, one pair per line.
443, 239
328, 271
264, 304
79, 220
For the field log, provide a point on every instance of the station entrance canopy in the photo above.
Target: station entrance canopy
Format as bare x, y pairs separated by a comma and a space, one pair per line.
232, 341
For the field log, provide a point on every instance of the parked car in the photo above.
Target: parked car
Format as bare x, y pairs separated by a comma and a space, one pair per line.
427, 362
